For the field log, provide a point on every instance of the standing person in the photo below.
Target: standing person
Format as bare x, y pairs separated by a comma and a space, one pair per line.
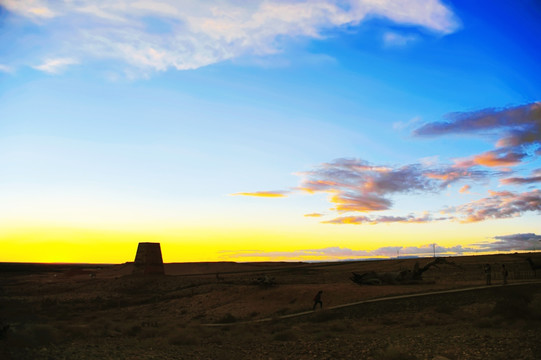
504, 274
317, 300
488, 273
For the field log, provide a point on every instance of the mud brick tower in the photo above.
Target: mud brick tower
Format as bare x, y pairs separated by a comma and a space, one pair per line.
148, 260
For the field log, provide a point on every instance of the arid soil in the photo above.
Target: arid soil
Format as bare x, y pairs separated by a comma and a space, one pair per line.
240, 311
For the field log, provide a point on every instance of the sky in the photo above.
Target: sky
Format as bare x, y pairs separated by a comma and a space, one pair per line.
268, 130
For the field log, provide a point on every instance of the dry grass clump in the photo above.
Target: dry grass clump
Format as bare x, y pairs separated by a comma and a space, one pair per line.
445, 308
340, 326
227, 319
186, 336
325, 316
34, 335
512, 307
182, 339
472, 311
393, 352
286, 335
535, 307
429, 318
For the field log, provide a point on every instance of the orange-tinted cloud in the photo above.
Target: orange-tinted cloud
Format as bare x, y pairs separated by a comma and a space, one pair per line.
517, 129
355, 185
312, 186
457, 172
359, 220
360, 202
313, 215
499, 158
519, 124
524, 241
270, 194
465, 189
511, 242
499, 205
535, 178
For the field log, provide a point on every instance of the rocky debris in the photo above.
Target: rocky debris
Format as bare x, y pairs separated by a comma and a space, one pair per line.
413, 276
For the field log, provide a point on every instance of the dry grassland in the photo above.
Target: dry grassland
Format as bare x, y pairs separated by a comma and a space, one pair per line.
104, 312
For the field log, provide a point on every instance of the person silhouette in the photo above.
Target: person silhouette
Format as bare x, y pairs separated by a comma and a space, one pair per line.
505, 273
488, 273
317, 300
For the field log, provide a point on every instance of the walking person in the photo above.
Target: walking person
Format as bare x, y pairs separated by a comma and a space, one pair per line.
317, 300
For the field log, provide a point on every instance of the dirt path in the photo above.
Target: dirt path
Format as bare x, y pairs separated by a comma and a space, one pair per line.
388, 298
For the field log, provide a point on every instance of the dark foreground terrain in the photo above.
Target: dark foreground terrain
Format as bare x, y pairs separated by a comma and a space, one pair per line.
247, 311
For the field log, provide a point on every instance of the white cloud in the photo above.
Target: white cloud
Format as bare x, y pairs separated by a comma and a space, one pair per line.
29, 8
197, 33
341, 253
512, 242
393, 39
401, 125
55, 66
6, 69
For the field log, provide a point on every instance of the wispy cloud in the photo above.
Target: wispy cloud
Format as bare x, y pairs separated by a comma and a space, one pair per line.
513, 242
55, 66
354, 185
393, 39
334, 252
313, 215
360, 202
450, 174
535, 178
517, 122
30, 8
359, 220
400, 125
499, 157
271, 194
6, 69
343, 253
499, 205
158, 35
517, 131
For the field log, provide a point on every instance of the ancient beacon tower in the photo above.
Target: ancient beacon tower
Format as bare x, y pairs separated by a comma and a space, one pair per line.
148, 260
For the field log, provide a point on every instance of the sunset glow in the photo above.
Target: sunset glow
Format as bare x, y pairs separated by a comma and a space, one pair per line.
274, 131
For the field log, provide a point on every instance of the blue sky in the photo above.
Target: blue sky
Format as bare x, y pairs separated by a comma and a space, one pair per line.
392, 124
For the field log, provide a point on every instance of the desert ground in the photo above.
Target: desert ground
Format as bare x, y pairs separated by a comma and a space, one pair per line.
232, 310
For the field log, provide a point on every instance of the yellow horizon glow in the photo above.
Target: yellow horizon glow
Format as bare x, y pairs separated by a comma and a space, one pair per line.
70, 244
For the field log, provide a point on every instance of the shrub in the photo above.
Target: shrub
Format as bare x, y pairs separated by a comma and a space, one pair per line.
35, 335
227, 319
489, 322
133, 330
